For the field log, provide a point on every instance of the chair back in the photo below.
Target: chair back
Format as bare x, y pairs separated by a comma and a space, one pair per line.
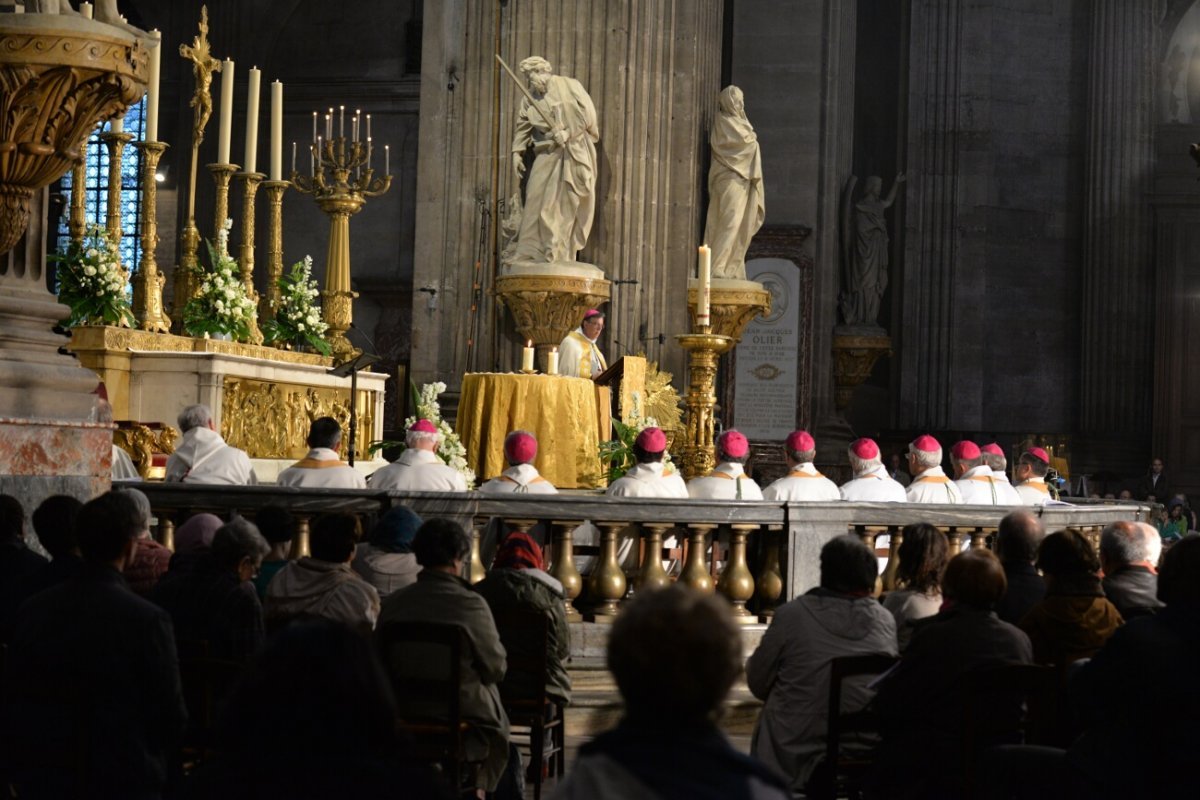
525, 634
842, 723
1028, 689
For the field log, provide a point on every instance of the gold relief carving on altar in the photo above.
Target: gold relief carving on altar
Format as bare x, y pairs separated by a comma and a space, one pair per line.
142, 442
269, 419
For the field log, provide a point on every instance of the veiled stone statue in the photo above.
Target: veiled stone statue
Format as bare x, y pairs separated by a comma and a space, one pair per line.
561, 129
865, 251
735, 187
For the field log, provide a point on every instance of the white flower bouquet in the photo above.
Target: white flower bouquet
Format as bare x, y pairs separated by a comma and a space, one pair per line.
220, 305
298, 321
92, 282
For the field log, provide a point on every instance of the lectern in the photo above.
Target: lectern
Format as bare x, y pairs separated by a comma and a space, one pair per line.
626, 378
352, 368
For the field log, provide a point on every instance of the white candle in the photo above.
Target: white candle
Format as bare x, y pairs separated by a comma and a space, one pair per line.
354, 129
370, 149
86, 10
329, 124
293, 156
250, 164
387, 159
527, 357
117, 125
153, 92
314, 127
342, 121
552, 362
318, 167
368, 127
704, 289
277, 132
225, 129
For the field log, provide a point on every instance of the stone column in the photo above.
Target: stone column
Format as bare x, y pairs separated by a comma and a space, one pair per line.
653, 70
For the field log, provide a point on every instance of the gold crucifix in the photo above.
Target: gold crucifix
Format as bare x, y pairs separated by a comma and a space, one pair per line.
203, 66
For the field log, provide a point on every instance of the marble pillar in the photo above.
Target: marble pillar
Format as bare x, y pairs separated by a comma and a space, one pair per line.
653, 69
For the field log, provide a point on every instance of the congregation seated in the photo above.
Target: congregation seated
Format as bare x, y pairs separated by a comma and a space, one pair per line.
54, 525
521, 477
1017, 540
203, 456
923, 554
322, 467
1074, 619
18, 563
92, 662
278, 527
790, 669
802, 483
323, 584
441, 596
386, 560
215, 601
419, 469
728, 480
920, 703
151, 560
648, 477
518, 581
675, 654
1130, 582
929, 482
870, 482
192, 541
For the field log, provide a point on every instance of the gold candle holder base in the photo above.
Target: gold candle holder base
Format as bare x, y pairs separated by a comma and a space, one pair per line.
115, 142
704, 351
222, 176
269, 302
250, 182
148, 282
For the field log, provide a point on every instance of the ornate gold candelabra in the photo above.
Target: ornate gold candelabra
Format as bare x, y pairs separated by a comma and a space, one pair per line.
222, 177
77, 217
115, 142
148, 282
704, 350
250, 182
340, 196
268, 304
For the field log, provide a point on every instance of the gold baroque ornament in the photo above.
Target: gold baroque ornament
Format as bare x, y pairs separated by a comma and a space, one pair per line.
698, 448
548, 307
269, 419
853, 359
91, 339
56, 85
732, 309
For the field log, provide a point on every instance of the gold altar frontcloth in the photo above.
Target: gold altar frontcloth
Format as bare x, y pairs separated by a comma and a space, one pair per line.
565, 414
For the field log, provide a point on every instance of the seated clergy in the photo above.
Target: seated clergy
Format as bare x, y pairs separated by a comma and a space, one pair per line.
729, 480
647, 478
321, 468
578, 354
803, 482
870, 483
203, 456
419, 469
521, 477
929, 483
1130, 582
972, 476
1030, 474
993, 456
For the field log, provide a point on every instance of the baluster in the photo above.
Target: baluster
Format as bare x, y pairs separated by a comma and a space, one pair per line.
519, 525
475, 569
652, 575
737, 584
300, 539
563, 569
166, 531
770, 577
979, 539
695, 573
896, 535
608, 582
955, 537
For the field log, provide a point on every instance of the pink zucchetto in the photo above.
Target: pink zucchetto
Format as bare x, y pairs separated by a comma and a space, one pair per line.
965, 451
926, 444
733, 444
423, 426
592, 312
992, 449
800, 442
1039, 454
520, 447
866, 449
652, 440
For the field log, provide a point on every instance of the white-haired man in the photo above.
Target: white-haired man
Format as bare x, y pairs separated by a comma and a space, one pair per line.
322, 467
973, 477
993, 456
203, 456
521, 477
803, 483
728, 481
929, 483
418, 469
871, 483
1030, 473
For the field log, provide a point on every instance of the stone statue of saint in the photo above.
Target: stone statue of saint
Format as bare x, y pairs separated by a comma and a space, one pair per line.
735, 187
865, 251
561, 128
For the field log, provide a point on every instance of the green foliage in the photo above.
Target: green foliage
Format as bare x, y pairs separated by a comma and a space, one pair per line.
298, 321
92, 282
220, 305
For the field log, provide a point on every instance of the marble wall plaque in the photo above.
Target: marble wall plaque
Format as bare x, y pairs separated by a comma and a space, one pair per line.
764, 404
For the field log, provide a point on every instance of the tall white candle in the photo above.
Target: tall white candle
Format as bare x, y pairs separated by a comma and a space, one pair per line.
253, 88
329, 124
370, 148
277, 131
387, 159
527, 357
153, 91
293, 156
704, 289
552, 362
342, 121
86, 10
368, 127
318, 155
314, 127
225, 129
117, 125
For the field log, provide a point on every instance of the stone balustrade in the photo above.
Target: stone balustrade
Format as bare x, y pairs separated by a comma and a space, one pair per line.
756, 553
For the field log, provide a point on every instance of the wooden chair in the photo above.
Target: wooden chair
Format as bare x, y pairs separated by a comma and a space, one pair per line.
524, 630
424, 662
842, 773
206, 682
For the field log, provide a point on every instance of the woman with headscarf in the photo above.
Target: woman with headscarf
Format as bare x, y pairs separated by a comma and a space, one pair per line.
518, 580
193, 540
386, 560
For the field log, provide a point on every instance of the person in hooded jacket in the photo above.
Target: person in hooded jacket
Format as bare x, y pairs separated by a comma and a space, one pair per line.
387, 561
790, 669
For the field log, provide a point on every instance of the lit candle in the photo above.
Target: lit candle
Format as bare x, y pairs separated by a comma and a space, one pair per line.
357, 123
342, 122
354, 128
329, 124
225, 129
250, 164
293, 156
704, 289
318, 167
368, 127
527, 357
277, 132
86, 10
314, 127
552, 362
152, 92
370, 148
387, 159
117, 125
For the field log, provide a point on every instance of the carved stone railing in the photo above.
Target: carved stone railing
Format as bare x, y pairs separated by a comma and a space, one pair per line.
756, 553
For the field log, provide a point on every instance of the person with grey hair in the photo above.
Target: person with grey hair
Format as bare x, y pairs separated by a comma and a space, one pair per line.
1130, 582
419, 469
993, 456
215, 601
1016, 546
322, 467
203, 456
151, 559
871, 482
929, 482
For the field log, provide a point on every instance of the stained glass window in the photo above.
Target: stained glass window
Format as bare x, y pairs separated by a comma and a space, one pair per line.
95, 188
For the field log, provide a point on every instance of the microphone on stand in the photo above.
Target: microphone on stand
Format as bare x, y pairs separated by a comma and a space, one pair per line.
370, 343
621, 345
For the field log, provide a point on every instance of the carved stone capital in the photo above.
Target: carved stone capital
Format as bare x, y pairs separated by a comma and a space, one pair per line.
853, 359
547, 307
732, 307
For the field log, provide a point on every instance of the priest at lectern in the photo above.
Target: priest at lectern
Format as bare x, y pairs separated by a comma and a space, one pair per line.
578, 355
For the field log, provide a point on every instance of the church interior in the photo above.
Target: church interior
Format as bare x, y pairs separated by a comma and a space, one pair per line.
394, 303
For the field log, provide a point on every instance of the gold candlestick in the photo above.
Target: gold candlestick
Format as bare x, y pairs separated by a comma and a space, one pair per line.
704, 349
148, 282
222, 176
340, 197
250, 182
268, 304
77, 219
115, 142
